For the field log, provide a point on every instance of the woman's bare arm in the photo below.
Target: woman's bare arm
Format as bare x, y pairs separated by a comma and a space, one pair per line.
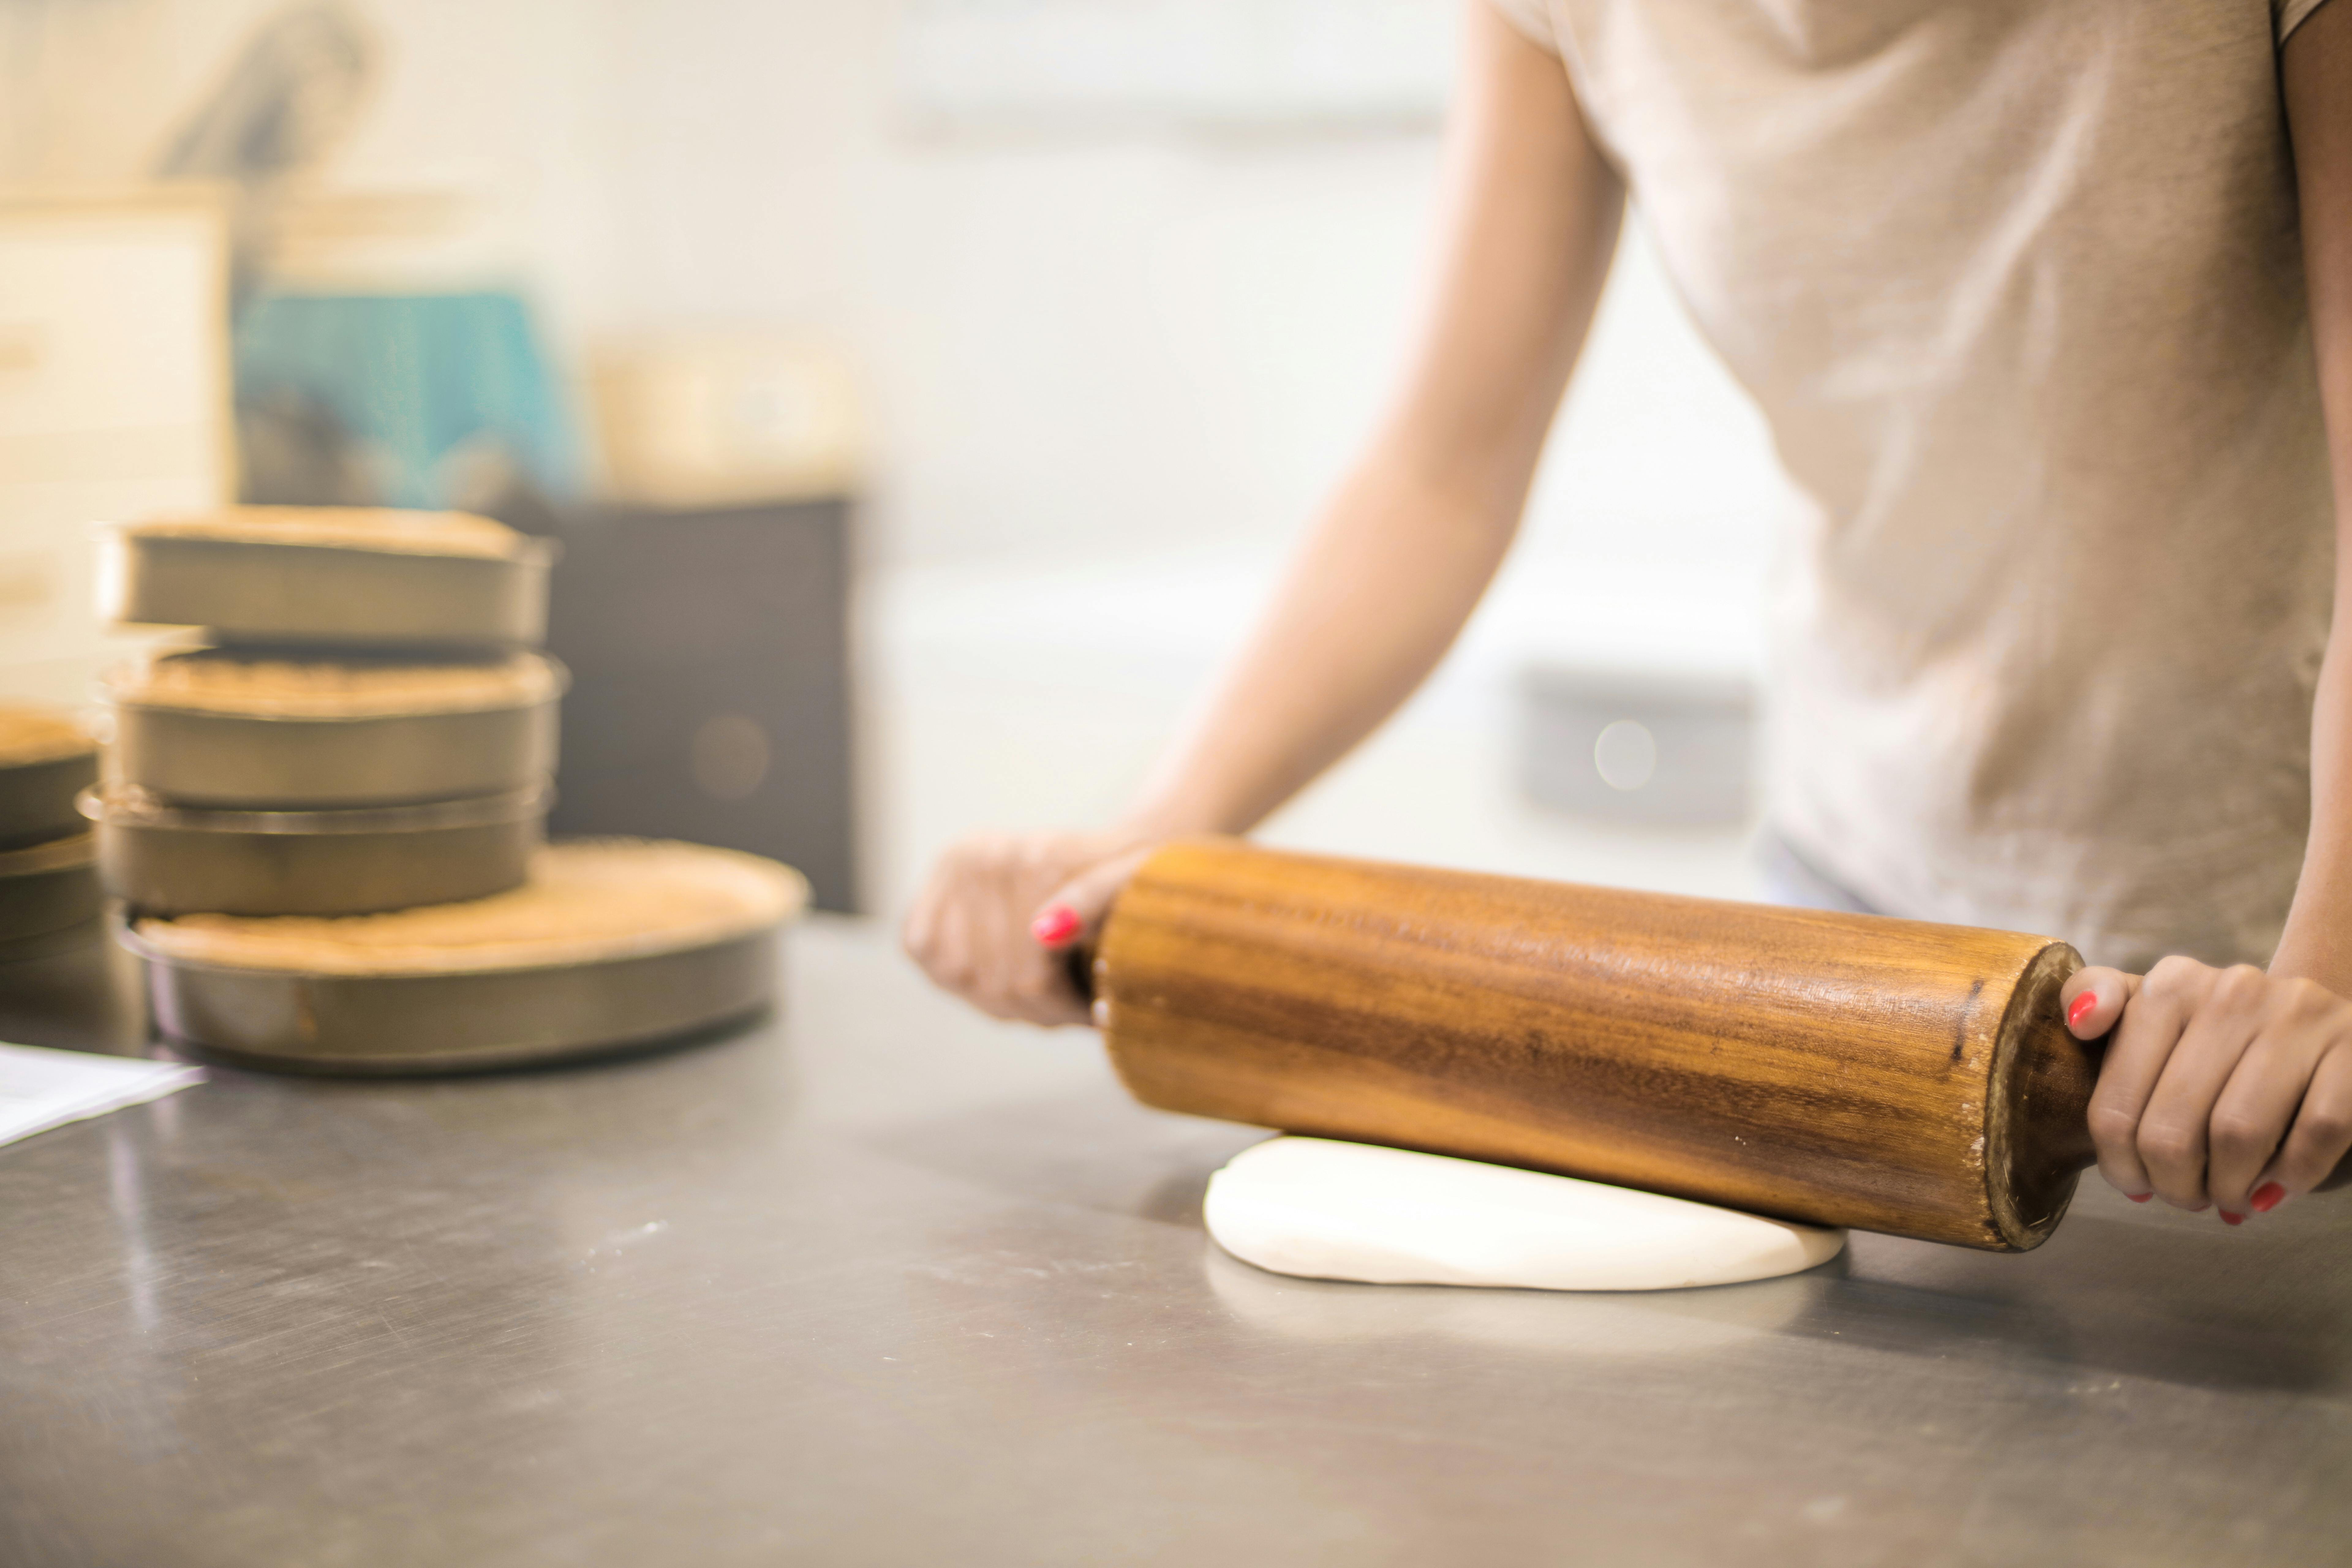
1398, 560
1415, 531
2232, 1087
2317, 69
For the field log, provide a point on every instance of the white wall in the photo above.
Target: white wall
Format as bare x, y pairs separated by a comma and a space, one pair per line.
1112, 346
1107, 348
1068, 347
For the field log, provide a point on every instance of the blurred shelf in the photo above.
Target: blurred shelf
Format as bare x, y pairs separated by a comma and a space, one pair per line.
710, 694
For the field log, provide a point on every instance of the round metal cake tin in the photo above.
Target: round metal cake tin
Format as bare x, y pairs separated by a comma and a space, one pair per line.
456, 1021
45, 890
37, 799
261, 591
168, 860
273, 762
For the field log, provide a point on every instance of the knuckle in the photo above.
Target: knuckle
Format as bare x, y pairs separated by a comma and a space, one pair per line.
2326, 1125
2237, 1134
2175, 974
2240, 984
2113, 1125
2301, 1003
2168, 1143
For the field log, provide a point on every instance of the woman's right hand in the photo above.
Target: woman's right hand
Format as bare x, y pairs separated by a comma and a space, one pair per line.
996, 922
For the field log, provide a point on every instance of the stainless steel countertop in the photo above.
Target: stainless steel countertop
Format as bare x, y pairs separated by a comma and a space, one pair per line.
885, 1283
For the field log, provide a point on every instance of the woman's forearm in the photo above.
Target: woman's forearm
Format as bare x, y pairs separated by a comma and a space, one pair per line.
2317, 944
1368, 607
1414, 535
2317, 77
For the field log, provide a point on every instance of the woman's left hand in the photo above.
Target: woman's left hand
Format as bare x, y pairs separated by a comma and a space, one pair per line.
2222, 1087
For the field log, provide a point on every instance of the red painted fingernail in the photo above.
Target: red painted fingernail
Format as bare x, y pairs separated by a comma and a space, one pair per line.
1055, 926
2083, 1006
2139, 1197
2229, 1218
2266, 1198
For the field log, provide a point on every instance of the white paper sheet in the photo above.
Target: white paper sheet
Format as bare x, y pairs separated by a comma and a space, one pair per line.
41, 1089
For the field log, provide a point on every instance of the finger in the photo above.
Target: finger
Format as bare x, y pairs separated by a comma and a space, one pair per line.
963, 957
998, 949
2094, 999
920, 930
2250, 1124
1033, 989
2174, 1126
1044, 996
1076, 912
1030, 976
2318, 1141
2143, 1039
937, 952
1074, 916
1043, 971
924, 934
2256, 1106
1070, 923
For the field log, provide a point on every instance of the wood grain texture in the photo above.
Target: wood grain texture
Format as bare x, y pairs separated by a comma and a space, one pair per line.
1838, 1069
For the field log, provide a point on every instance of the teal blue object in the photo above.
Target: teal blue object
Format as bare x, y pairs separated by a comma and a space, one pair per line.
414, 376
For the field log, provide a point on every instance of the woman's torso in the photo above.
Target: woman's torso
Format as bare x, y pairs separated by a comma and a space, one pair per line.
2018, 288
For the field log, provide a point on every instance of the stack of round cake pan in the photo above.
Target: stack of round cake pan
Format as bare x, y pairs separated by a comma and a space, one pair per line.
367, 728
610, 944
48, 889
325, 817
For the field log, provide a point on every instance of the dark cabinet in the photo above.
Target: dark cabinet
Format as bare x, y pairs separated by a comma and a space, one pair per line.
709, 701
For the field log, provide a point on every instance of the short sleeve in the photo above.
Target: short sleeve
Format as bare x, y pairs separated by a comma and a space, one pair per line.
1533, 18
2286, 16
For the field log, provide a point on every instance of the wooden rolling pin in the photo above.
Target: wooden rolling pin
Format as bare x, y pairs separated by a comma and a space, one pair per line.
1837, 1070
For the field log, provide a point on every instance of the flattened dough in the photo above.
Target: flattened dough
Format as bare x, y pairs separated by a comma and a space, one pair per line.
1329, 1210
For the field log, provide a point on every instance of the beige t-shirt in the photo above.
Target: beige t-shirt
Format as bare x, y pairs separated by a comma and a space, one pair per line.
2018, 288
